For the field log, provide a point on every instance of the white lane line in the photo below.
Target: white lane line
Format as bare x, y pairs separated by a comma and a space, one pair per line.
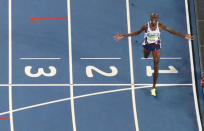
10, 66
192, 69
42, 104
5, 113
100, 58
40, 58
70, 66
37, 105
102, 84
59, 85
126, 89
103, 92
3, 85
164, 58
165, 84
131, 67
40, 85
86, 95
66, 99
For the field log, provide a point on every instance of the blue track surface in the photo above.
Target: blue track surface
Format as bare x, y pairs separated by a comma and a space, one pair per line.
117, 96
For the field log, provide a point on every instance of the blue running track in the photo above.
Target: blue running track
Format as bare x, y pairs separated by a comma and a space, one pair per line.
71, 75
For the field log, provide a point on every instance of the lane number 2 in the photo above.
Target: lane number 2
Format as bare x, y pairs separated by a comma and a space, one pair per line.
90, 69
40, 72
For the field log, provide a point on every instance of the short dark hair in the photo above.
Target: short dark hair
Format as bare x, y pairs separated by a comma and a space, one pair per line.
154, 15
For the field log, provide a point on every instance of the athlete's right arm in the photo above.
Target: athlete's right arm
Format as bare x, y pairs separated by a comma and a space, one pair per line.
120, 36
186, 36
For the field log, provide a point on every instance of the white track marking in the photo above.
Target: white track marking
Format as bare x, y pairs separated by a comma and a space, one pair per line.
102, 84
40, 72
90, 69
3, 85
42, 104
100, 58
150, 71
61, 85
66, 99
131, 66
40, 58
10, 65
165, 84
5, 113
37, 105
70, 66
104, 92
91, 94
39, 85
192, 69
164, 58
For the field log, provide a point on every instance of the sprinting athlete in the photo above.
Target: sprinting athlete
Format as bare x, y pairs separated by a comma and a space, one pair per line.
152, 42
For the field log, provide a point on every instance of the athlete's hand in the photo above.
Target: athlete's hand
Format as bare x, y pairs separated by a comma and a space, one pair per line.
118, 37
189, 37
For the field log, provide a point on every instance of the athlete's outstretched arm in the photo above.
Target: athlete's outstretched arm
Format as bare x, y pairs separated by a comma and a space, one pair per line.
120, 36
187, 36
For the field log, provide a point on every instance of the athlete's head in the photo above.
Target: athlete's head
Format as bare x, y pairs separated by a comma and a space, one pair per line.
154, 18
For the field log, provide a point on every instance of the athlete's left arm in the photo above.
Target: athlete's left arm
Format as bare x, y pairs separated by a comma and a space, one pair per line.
186, 36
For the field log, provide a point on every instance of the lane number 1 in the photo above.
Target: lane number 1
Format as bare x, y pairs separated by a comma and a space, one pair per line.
149, 70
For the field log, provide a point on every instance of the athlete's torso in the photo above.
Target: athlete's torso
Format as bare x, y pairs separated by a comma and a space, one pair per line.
152, 36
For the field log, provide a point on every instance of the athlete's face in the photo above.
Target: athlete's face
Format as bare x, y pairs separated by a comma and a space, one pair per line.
154, 19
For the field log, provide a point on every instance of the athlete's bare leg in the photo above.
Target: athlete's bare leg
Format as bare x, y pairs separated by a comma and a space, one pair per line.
156, 57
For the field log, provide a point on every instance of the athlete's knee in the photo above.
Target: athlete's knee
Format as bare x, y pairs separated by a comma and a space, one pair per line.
146, 56
156, 62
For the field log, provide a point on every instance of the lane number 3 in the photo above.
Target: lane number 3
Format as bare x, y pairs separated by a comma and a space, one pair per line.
40, 72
